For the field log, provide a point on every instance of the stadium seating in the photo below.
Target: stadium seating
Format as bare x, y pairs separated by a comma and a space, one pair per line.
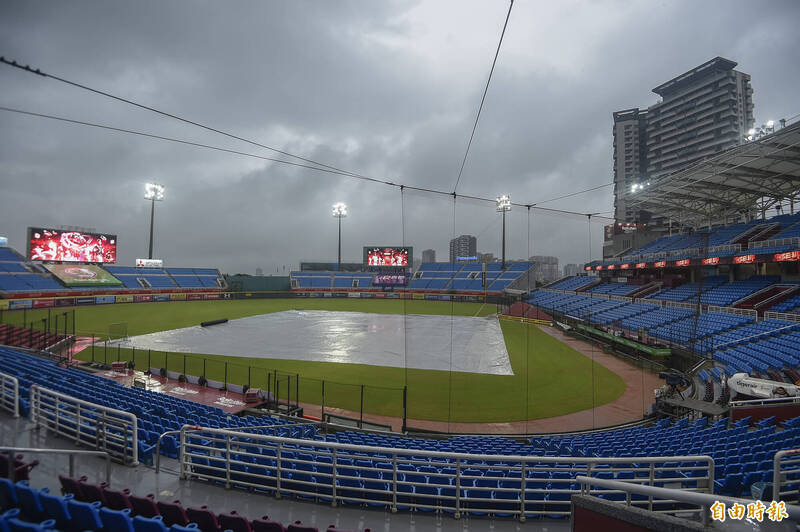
572, 283
467, 277
156, 412
31, 510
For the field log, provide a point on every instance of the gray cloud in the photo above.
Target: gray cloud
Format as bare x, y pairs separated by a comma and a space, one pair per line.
388, 89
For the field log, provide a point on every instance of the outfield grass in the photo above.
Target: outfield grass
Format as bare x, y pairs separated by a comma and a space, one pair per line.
550, 378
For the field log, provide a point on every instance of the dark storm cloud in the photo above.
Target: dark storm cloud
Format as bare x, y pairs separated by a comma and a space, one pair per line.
387, 89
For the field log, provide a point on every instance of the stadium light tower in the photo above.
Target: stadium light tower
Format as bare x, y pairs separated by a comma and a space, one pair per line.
153, 192
504, 205
339, 211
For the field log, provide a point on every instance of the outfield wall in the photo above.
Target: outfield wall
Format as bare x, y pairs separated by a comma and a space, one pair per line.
110, 299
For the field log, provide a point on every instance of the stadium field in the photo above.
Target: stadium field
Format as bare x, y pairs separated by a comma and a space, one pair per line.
550, 378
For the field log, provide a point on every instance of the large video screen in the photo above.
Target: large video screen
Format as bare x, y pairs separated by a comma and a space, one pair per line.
70, 246
83, 275
399, 257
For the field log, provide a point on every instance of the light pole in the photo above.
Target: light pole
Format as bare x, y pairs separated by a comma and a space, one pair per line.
339, 211
504, 205
153, 192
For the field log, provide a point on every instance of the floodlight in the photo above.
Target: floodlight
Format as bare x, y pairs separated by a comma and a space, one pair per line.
339, 210
770, 123
751, 131
503, 203
154, 192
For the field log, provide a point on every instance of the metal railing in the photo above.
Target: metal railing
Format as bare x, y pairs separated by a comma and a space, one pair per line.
774, 243
404, 479
773, 401
85, 423
786, 475
665, 496
9, 394
71, 453
783, 316
731, 310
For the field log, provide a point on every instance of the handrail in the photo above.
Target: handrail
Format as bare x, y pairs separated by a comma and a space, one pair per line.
261, 461
73, 423
71, 452
9, 393
690, 497
757, 402
778, 475
157, 459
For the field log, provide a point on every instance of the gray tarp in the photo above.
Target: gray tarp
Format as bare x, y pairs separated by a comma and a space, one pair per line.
475, 344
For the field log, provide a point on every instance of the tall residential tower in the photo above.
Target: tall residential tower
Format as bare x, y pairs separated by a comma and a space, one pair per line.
702, 112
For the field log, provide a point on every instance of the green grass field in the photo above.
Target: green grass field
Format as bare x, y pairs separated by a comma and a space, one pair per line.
550, 378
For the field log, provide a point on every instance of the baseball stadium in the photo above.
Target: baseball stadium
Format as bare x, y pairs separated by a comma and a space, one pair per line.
393, 392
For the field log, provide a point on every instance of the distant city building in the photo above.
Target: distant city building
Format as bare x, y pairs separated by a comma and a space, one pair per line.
572, 269
545, 268
428, 255
259, 271
463, 246
701, 113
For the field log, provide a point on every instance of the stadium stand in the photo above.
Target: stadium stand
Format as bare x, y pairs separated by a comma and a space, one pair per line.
95, 507
139, 278
17, 276
156, 412
457, 277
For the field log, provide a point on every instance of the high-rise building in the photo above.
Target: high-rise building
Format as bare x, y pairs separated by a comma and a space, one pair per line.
259, 271
463, 246
545, 268
428, 255
572, 269
701, 113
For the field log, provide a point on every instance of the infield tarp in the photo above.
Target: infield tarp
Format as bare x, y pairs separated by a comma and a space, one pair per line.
347, 337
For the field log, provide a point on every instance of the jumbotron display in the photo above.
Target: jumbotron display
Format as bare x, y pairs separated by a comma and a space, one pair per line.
398, 257
71, 246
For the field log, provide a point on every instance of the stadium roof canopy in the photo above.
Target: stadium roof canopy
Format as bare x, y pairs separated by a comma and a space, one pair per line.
746, 179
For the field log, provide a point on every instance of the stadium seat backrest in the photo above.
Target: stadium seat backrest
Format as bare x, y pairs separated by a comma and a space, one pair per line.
234, 522
206, 519
85, 515
264, 524
116, 520
149, 524
173, 513
144, 506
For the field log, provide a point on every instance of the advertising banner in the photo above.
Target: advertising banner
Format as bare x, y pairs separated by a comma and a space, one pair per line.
390, 280
212, 296
82, 275
71, 246
65, 301
20, 304
125, 298
142, 299
104, 300
3, 304
160, 297
178, 297
149, 263
84, 300
43, 303
194, 297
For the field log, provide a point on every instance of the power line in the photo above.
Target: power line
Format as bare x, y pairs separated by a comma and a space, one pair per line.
27, 68
483, 98
575, 193
280, 161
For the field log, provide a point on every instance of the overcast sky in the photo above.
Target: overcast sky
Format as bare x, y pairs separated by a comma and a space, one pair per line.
385, 89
